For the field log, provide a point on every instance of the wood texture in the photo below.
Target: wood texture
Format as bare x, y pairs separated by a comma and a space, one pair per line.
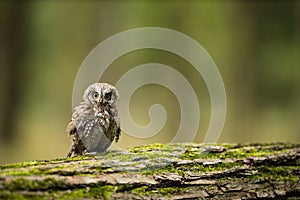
162, 171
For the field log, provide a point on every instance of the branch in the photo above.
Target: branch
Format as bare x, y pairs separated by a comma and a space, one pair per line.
162, 171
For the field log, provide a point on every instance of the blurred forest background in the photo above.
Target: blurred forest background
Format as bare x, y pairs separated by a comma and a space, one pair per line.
255, 44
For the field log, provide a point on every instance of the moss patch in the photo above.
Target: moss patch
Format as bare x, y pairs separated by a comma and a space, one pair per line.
169, 191
277, 173
20, 165
98, 192
153, 147
34, 185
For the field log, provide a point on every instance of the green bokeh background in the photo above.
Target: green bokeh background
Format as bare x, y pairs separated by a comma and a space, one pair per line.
255, 44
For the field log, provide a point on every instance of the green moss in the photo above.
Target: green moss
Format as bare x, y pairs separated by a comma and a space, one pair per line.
277, 173
97, 192
22, 172
171, 169
34, 185
101, 191
121, 156
193, 167
233, 151
168, 191
6, 195
190, 155
37, 170
152, 147
20, 165
74, 194
126, 187
44, 162
140, 190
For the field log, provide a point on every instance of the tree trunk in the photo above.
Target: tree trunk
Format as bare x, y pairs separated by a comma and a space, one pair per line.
162, 171
13, 34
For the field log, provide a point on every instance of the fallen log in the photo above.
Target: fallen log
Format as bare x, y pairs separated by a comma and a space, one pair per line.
162, 171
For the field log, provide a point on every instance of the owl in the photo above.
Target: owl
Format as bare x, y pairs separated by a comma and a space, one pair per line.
95, 123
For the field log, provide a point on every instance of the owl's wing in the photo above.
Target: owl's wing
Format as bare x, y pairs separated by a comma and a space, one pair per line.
78, 111
116, 128
71, 128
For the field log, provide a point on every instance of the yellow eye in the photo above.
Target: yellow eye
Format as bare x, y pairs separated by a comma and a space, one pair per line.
107, 96
95, 95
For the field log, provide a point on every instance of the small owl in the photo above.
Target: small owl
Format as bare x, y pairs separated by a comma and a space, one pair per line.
95, 123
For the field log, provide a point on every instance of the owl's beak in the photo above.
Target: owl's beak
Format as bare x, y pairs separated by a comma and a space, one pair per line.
99, 102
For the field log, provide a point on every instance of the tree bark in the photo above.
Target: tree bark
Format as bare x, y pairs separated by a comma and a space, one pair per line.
162, 171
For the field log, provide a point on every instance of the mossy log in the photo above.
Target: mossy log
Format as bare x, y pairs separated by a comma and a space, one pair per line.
162, 171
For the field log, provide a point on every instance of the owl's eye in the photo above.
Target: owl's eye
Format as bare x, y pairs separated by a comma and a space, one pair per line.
95, 95
107, 96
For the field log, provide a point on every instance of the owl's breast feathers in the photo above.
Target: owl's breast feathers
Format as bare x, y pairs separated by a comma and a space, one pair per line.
94, 122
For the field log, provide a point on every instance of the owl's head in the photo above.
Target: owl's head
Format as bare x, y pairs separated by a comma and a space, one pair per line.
100, 94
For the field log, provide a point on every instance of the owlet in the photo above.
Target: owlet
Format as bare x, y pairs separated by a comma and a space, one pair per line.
95, 123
